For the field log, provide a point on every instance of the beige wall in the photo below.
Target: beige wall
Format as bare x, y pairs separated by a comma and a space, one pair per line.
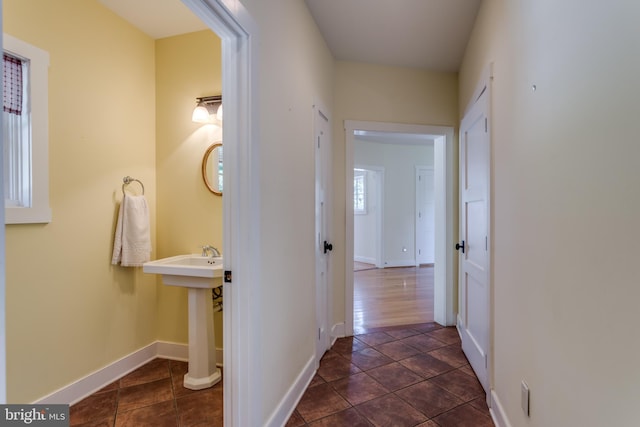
565, 206
189, 216
384, 94
295, 70
69, 311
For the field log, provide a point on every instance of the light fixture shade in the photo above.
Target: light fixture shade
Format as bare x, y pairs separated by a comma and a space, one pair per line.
200, 114
208, 110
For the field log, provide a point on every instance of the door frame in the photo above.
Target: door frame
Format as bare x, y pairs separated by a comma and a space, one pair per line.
445, 274
241, 208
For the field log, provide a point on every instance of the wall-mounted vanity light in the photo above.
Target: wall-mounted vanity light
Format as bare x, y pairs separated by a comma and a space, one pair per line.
206, 108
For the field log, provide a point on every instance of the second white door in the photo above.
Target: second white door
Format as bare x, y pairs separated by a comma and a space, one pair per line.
425, 221
473, 247
322, 143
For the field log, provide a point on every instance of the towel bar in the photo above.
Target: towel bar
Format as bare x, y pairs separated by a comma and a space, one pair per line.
128, 180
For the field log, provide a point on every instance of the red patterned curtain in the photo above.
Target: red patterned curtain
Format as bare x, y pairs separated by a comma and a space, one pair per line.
12, 85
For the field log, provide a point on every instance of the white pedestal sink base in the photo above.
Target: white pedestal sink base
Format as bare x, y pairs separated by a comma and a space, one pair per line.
199, 275
203, 371
200, 383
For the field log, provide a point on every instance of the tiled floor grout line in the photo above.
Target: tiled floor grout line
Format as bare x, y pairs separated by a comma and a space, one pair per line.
115, 412
173, 394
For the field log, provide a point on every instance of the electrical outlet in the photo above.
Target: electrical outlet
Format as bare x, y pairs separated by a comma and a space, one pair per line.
524, 397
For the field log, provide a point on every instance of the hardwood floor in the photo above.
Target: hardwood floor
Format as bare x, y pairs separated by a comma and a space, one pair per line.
392, 296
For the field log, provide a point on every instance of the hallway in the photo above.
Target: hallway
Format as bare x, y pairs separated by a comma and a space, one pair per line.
399, 376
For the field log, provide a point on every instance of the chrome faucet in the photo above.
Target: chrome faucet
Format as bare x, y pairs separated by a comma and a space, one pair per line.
208, 248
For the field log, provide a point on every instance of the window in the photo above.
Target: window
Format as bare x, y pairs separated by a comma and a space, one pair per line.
359, 191
25, 132
16, 131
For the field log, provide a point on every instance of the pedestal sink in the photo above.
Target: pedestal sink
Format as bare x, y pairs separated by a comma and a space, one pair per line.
199, 275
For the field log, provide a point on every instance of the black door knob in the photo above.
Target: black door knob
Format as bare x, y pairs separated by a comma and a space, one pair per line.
460, 246
327, 246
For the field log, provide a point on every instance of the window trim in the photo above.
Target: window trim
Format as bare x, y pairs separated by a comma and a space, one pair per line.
38, 81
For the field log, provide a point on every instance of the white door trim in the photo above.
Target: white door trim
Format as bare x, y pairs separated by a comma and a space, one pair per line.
241, 208
444, 272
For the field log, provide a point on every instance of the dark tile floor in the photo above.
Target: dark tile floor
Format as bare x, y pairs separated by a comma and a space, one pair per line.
152, 395
399, 376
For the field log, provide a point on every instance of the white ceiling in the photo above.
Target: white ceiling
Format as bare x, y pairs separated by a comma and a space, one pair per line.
429, 34
157, 18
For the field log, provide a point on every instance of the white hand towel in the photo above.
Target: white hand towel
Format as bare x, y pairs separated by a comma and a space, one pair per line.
132, 242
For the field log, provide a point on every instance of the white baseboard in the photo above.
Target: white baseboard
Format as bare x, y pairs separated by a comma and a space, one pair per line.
400, 263
288, 404
497, 411
96, 380
337, 331
177, 351
365, 259
290, 400
173, 351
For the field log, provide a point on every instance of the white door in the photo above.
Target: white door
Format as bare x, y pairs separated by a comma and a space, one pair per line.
367, 223
425, 221
473, 318
322, 142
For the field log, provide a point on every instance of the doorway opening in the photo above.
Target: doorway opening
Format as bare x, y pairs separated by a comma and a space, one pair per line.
390, 234
442, 139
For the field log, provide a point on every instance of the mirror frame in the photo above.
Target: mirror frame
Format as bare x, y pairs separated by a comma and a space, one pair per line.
205, 159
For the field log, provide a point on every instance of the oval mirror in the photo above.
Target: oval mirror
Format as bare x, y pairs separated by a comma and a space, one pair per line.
212, 168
